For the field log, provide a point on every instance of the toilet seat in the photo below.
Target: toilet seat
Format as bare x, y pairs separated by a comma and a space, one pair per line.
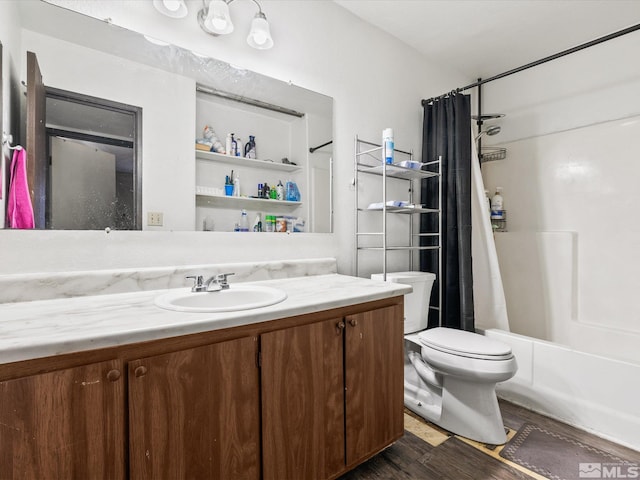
464, 344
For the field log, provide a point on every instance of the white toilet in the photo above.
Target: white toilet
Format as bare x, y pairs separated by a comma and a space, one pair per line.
450, 375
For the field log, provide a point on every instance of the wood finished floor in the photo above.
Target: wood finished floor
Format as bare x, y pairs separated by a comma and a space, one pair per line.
412, 458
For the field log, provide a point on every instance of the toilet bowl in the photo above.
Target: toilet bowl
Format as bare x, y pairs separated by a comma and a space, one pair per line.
451, 375
459, 370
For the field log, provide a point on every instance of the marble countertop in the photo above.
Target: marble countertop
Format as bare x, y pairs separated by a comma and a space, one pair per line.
44, 328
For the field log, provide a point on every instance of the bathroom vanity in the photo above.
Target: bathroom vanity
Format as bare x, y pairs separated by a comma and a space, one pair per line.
112, 386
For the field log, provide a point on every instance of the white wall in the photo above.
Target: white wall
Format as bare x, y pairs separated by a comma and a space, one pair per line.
318, 45
571, 192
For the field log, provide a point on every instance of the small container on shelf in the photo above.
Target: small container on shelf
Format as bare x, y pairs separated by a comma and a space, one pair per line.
499, 224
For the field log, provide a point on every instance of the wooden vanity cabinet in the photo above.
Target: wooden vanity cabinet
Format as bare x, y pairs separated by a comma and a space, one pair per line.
196, 413
64, 424
332, 394
305, 397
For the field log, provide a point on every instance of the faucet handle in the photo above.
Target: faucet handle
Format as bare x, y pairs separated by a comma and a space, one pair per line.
198, 282
221, 278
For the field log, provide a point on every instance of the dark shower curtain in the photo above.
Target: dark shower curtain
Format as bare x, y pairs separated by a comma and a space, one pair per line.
447, 133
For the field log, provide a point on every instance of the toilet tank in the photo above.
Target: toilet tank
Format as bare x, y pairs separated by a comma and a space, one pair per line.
416, 303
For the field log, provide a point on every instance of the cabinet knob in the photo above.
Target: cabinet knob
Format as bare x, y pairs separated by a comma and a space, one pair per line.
140, 371
339, 326
113, 375
353, 322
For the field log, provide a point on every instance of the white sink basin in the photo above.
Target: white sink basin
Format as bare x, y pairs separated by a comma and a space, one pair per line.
235, 298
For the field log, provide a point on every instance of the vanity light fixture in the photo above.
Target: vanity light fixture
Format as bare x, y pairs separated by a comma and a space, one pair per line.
171, 8
217, 19
214, 19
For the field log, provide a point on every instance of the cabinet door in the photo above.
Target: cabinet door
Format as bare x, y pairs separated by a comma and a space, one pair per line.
64, 424
374, 380
195, 413
303, 401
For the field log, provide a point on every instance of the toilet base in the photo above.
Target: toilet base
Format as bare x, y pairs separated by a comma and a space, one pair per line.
466, 409
459, 405
471, 409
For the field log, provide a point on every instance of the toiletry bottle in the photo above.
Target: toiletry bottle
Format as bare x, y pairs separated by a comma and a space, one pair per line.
497, 205
250, 148
229, 144
488, 201
239, 150
268, 226
257, 223
387, 145
244, 222
280, 190
234, 146
236, 186
292, 192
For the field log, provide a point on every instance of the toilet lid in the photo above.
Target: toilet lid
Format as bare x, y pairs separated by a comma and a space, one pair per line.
463, 343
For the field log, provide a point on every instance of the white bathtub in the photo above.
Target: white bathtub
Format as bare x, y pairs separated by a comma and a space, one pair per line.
591, 392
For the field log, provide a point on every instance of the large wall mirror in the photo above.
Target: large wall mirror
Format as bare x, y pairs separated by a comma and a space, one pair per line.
125, 133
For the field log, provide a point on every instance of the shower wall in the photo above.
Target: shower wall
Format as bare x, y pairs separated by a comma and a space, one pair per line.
570, 258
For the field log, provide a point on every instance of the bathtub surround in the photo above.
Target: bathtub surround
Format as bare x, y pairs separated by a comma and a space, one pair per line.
594, 393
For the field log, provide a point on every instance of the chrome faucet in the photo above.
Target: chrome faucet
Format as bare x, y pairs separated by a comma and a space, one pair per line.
213, 284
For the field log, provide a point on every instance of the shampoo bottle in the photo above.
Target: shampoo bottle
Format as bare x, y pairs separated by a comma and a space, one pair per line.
497, 205
387, 145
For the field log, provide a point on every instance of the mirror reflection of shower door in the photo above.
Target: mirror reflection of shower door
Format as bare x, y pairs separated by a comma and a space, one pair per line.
90, 205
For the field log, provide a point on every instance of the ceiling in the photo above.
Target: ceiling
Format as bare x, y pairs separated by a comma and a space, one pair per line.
482, 38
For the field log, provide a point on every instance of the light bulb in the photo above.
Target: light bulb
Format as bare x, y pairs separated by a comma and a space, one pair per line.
260, 36
219, 23
218, 20
172, 5
171, 8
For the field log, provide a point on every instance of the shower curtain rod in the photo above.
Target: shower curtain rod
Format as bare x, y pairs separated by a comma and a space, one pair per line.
597, 41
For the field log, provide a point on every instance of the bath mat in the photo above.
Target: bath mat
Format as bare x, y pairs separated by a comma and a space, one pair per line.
562, 458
